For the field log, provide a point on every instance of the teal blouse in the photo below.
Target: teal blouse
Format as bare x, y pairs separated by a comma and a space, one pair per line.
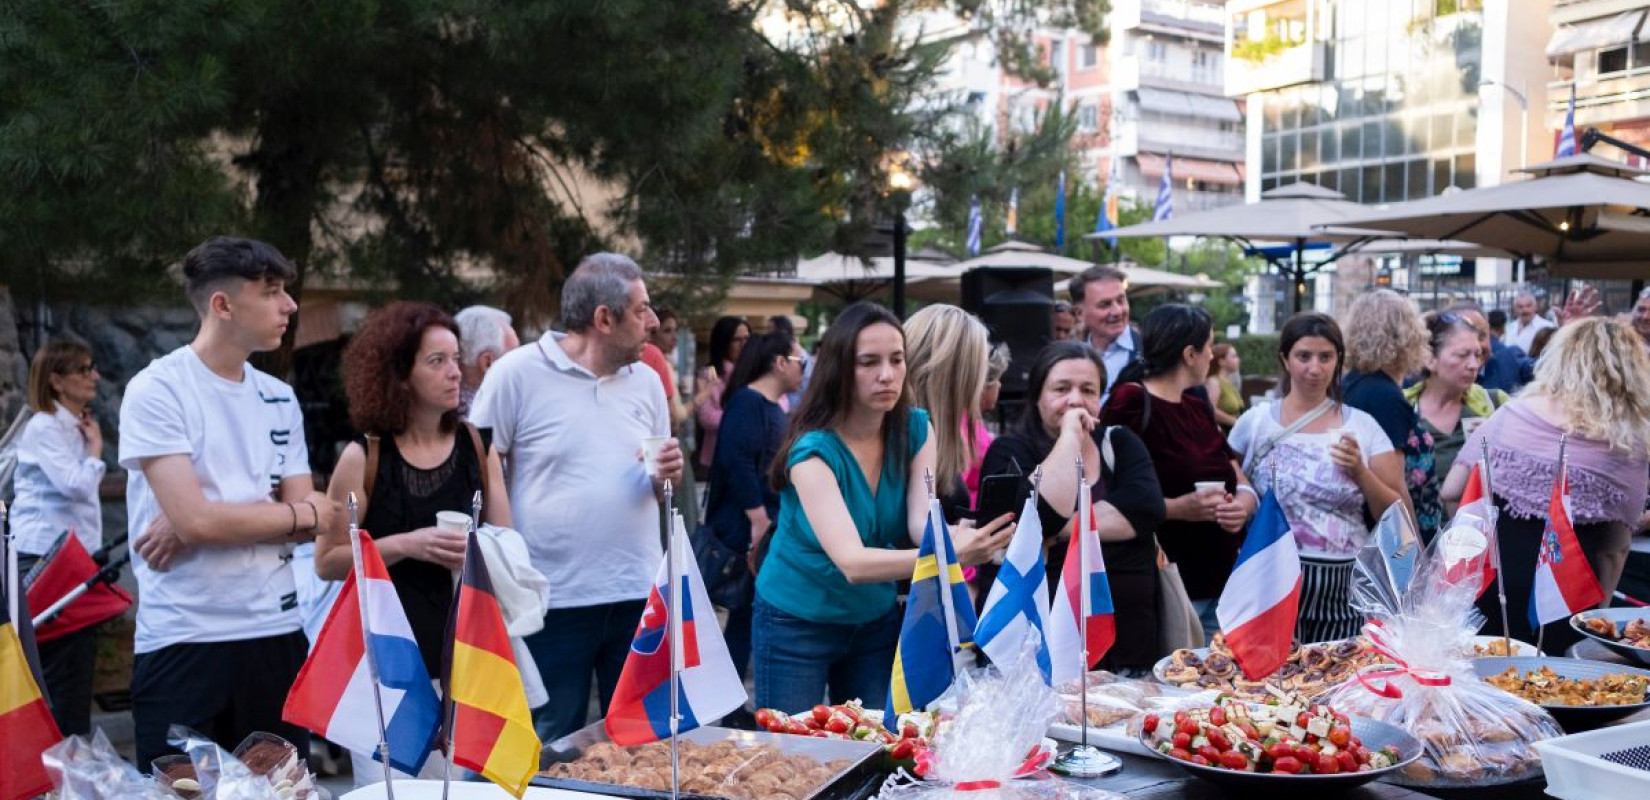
798, 578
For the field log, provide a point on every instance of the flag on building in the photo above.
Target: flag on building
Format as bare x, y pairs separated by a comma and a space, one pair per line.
1477, 513
708, 685
492, 729
26, 724
60, 571
1165, 192
1084, 592
976, 224
1567, 143
1017, 606
1107, 218
1060, 211
1564, 581
333, 694
939, 623
1012, 222
1261, 601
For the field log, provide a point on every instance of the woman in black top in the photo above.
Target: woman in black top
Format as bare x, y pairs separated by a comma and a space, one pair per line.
1065, 382
401, 377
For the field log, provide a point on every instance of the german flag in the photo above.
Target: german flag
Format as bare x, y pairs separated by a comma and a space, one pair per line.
26, 724
490, 727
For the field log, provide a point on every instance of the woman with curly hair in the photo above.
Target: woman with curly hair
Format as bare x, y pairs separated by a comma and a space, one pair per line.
1385, 343
401, 376
1593, 385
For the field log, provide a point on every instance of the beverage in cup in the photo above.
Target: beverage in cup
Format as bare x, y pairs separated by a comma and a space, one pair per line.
1210, 486
651, 445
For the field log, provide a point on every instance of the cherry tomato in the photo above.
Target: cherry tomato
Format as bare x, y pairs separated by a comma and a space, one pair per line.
902, 750
764, 718
1308, 754
822, 714
850, 712
1340, 736
1181, 754
1217, 716
1280, 751
1149, 724
1187, 727
1339, 717
1182, 740
1250, 731
1302, 718
1327, 765
1289, 764
1201, 761
1360, 753
797, 728
1181, 716
1218, 739
1209, 752
908, 731
1346, 762
1234, 760
839, 724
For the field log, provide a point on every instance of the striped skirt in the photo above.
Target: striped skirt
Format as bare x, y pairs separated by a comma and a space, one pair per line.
1326, 612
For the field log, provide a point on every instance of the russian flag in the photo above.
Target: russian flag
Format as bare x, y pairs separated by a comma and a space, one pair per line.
1017, 608
1261, 601
708, 686
1083, 591
1564, 581
332, 695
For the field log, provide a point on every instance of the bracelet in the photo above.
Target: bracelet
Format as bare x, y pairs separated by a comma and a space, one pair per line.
313, 512
293, 531
1244, 487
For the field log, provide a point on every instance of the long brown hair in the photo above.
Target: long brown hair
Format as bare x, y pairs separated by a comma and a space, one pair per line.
830, 393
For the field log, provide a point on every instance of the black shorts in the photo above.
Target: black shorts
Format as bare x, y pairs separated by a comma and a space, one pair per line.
223, 690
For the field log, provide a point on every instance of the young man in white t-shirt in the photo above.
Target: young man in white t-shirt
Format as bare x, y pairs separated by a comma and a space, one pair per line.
570, 412
218, 492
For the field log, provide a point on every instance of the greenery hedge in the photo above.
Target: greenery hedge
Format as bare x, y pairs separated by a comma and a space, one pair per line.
1259, 352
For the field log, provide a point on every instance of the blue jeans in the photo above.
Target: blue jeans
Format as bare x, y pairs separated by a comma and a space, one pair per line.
574, 644
1206, 616
738, 634
798, 660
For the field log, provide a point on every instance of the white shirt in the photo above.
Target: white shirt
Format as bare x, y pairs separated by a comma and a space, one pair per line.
1523, 336
578, 492
57, 480
1116, 356
243, 438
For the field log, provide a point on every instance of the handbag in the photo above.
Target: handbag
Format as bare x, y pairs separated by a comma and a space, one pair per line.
726, 574
1178, 622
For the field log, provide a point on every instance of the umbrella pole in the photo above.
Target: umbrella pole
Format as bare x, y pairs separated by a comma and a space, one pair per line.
1297, 283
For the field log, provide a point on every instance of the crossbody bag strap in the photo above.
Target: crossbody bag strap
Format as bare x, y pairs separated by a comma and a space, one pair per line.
1294, 428
370, 478
481, 457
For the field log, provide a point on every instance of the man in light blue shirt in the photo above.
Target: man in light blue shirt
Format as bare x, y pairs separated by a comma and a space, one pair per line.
1101, 296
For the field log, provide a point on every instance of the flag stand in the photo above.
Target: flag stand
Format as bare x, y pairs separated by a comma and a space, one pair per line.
366, 642
1495, 540
1084, 760
673, 633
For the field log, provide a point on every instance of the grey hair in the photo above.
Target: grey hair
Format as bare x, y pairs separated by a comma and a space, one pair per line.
481, 330
998, 364
1644, 294
602, 279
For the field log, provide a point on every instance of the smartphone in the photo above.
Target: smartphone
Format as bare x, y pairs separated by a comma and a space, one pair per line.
999, 495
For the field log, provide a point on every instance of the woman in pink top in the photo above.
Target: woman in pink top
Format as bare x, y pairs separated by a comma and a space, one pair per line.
982, 436
727, 340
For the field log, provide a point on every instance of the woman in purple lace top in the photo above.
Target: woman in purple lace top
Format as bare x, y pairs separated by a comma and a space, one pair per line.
1592, 383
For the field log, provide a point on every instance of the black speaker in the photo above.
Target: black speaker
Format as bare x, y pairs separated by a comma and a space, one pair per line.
1017, 305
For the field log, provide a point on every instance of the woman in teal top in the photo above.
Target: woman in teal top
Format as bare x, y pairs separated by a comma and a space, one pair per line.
852, 504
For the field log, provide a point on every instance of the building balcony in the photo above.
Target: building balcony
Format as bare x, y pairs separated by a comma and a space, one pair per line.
1301, 63
1611, 98
1134, 137
1197, 19
1132, 72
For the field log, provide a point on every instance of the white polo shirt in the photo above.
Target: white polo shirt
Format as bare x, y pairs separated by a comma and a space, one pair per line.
242, 438
578, 492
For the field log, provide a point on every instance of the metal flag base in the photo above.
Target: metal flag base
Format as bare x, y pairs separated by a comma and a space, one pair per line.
1086, 761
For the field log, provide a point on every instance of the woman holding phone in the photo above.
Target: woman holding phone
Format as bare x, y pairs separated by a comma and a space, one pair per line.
853, 507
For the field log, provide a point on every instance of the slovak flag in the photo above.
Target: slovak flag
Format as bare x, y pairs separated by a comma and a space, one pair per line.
1017, 605
708, 686
1261, 601
1083, 592
333, 694
1564, 581
1476, 512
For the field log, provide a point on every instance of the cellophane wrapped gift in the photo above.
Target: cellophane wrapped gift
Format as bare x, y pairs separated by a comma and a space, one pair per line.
1471, 732
1112, 700
274, 771
84, 769
995, 716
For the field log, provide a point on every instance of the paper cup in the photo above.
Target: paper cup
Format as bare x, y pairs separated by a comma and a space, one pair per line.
1210, 486
455, 521
1335, 436
651, 445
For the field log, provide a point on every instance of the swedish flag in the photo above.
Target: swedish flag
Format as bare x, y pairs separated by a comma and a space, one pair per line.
939, 623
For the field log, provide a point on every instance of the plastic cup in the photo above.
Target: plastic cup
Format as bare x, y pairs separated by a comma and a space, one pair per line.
651, 445
455, 521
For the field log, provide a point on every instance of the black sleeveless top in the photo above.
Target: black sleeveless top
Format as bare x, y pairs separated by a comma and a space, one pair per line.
406, 498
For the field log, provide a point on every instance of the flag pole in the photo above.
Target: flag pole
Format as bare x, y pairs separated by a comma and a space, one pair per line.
450, 710
1495, 540
1085, 760
1558, 479
942, 565
366, 643
14, 604
673, 632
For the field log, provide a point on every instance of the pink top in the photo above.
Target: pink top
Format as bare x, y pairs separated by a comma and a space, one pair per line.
971, 476
1606, 485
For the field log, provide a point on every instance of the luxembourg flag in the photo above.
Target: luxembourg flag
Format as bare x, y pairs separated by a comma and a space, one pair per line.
332, 695
1083, 593
1017, 605
708, 686
1259, 606
1564, 581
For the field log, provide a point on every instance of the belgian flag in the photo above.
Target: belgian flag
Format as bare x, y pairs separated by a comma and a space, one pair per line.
488, 723
26, 724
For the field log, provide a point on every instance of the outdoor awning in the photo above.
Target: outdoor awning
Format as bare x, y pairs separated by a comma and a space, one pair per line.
1592, 34
1195, 168
1184, 104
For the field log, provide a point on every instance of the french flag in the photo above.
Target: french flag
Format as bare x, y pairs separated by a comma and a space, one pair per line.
333, 694
708, 686
1564, 581
1258, 608
1083, 592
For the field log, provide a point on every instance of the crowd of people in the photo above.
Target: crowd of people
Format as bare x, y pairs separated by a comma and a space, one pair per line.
819, 470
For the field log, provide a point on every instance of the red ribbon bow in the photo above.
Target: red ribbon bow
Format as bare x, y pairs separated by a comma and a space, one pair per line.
1378, 678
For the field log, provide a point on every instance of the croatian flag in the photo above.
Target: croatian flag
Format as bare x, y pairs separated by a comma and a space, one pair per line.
1083, 592
1016, 608
332, 695
708, 686
1564, 581
1261, 601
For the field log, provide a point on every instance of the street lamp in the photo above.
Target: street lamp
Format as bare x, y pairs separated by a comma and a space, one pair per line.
900, 184
1523, 137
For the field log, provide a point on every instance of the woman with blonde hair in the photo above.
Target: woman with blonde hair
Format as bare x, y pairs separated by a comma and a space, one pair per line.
1591, 385
1386, 342
948, 357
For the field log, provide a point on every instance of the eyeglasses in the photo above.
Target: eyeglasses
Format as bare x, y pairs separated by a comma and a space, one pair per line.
797, 359
84, 369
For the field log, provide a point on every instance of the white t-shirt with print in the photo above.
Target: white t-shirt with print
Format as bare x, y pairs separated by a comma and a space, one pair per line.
243, 438
578, 493
1322, 502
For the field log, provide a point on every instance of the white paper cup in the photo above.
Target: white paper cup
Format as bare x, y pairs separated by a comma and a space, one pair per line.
1209, 486
651, 445
455, 521
1335, 436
